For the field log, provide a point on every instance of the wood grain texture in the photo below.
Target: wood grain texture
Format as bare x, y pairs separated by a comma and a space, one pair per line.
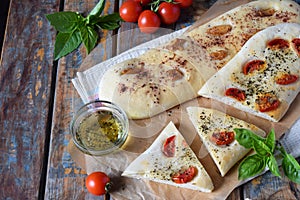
65, 179
25, 75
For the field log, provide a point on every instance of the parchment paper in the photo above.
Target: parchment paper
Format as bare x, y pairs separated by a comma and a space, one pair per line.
144, 132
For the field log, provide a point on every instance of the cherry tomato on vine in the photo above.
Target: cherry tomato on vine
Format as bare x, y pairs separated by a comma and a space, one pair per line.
97, 183
130, 11
168, 12
148, 21
184, 3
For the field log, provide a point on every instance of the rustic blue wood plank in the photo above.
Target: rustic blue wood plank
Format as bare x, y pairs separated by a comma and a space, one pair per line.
65, 179
25, 79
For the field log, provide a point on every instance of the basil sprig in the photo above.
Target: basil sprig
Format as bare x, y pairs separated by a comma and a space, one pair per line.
265, 149
73, 28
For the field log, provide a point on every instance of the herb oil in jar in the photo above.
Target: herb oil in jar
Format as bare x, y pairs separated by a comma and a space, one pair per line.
100, 128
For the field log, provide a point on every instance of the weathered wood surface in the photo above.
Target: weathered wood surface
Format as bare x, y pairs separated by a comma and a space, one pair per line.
37, 104
26, 71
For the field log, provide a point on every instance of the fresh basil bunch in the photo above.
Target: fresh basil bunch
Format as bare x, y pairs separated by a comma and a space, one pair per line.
73, 28
265, 149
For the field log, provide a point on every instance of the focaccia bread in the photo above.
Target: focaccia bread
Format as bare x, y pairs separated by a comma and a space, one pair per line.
224, 36
151, 83
170, 160
166, 76
263, 78
216, 130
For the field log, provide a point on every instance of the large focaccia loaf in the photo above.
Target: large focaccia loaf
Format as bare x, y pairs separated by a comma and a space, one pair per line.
171, 74
216, 42
263, 95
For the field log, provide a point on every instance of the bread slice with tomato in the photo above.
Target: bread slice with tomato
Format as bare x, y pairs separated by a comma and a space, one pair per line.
216, 130
263, 78
170, 160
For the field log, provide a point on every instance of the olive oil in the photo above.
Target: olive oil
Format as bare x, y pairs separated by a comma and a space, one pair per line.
99, 130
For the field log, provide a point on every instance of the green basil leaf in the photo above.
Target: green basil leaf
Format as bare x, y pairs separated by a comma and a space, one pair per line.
89, 37
109, 22
291, 168
251, 166
65, 43
273, 166
65, 22
246, 137
261, 148
271, 140
97, 10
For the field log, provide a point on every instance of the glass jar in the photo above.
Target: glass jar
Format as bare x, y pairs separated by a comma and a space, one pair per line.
99, 127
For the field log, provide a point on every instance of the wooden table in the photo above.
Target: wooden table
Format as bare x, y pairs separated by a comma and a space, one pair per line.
36, 104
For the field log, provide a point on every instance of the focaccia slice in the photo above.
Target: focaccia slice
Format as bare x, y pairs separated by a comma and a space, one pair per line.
225, 35
151, 83
170, 160
216, 130
263, 78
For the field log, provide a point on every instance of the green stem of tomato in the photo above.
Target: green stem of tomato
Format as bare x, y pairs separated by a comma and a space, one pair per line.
155, 4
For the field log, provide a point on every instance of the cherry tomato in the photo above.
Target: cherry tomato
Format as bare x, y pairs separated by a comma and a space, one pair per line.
130, 11
253, 66
286, 79
267, 103
168, 12
148, 21
184, 3
222, 138
143, 2
236, 93
278, 43
296, 43
185, 176
169, 146
97, 183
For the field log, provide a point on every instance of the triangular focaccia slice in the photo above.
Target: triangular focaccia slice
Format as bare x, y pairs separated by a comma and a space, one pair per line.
263, 78
171, 161
215, 129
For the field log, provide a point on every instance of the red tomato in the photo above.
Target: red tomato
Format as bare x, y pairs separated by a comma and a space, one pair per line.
97, 183
185, 175
253, 66
222, 138
169, 146
286, 79
278, 43
143, 2
168, 12
296, 43
267, 103
148, 21
184, 3
236, 93
130, 11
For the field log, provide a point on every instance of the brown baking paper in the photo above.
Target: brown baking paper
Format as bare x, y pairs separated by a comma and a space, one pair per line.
143, 132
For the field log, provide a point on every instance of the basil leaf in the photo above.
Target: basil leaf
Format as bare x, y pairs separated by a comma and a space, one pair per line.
251, 166
271, 140
246, 137
89, 37
95, 13
273, 166
97, 10
65, 22
66, 43
109, 22
261, 148
291, 168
